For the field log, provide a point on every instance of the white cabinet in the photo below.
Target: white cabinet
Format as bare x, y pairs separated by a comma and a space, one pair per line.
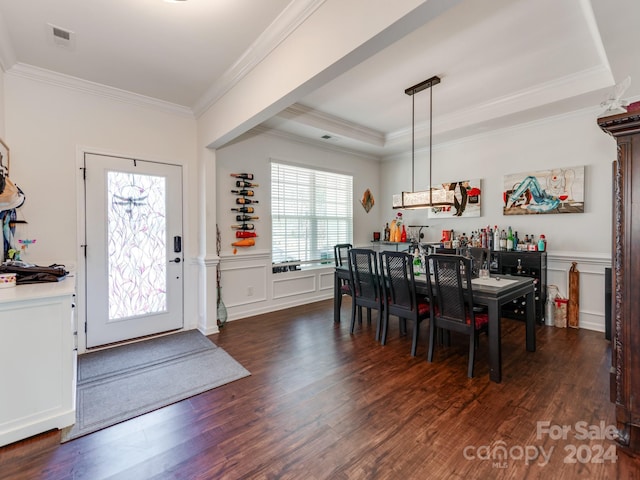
37, 359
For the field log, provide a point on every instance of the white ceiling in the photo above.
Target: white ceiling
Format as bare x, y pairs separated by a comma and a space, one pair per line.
501, 61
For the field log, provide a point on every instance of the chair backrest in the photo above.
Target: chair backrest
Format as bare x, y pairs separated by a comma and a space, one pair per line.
363, 266
479, 256
399, 282
341, 252
452, 288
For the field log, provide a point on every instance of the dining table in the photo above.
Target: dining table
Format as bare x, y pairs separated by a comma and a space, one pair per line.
493, 292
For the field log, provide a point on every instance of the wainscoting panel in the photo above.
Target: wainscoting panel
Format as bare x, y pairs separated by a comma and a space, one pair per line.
243, 283
326, 281
591, 267
289, 285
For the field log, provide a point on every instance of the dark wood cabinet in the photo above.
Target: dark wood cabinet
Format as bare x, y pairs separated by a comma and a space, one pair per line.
529, 264
625, 278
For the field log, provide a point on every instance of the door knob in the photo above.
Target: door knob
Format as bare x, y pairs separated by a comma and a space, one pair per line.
176, 260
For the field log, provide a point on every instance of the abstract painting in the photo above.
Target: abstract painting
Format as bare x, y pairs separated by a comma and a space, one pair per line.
558, 190
467, 196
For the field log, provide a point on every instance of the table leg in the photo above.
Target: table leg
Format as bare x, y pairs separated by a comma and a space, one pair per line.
495, 344
336, 298
531, 323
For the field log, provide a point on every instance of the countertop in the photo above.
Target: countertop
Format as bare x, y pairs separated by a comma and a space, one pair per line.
38, 290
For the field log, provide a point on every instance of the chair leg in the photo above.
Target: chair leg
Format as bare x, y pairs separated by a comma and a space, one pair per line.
472, 355
379, 325
385, 324
432, 337
403, 326
353, 314
368, 316
416, 333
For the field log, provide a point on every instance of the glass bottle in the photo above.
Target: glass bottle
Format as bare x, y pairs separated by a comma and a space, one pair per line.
510, 240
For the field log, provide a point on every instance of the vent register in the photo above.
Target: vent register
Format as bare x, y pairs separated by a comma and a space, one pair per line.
61, 37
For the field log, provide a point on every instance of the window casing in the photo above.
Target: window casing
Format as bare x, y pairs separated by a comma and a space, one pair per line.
311, 211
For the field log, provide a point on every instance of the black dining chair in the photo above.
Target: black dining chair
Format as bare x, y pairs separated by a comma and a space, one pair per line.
341, 256
453, 297
365, 284
401, 299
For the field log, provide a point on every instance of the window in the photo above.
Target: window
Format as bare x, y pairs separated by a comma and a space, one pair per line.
311, 211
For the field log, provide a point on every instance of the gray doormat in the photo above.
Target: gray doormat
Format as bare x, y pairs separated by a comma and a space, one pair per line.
123, 382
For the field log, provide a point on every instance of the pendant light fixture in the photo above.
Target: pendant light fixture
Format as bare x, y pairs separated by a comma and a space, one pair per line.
434, 197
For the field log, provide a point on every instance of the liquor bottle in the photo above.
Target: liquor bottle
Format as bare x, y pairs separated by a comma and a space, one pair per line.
245, 201
516, 240
246, 193
245, 176
244, 184
510, 240
244, 226
243, 209
245, 218
496, 238
403, 235
503, 240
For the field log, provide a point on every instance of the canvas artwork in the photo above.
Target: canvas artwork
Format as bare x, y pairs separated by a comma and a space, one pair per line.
559, 190
466, 203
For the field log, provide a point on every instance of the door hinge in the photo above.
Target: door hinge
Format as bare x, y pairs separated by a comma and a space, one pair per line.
84, 172
84, 247
85, 327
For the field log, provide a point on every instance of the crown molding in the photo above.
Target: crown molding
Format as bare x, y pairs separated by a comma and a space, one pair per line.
73, 83
291, 18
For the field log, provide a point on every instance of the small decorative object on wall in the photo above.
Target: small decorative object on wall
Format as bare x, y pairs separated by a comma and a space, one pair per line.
559, 190
367, 200
466, 200
4, 158
221, 311
245, 234
4, 164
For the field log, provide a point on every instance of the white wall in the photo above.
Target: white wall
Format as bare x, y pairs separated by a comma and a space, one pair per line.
248, 285
48, 126
570, 140
2, 115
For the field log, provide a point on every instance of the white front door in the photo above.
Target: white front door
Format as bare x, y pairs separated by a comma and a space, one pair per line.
134, 271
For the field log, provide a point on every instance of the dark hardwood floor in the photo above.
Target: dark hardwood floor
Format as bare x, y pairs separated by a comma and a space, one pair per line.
323, 404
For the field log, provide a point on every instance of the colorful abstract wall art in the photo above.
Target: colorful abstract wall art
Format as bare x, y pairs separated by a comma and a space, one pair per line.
467, 196
559, 190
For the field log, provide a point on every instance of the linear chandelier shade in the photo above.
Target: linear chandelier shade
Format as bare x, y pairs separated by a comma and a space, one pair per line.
432, 197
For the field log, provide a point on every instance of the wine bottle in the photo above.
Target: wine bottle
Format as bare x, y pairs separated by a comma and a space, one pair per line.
245, 176
243, 209
510, 240
245, 201
246, 193
244, 226
244, 218
245, 234
503, 240
243, 184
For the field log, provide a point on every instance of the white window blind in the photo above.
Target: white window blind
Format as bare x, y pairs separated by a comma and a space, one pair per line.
311, 211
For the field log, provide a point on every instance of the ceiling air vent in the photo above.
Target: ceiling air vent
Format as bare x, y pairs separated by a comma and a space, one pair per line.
61, 37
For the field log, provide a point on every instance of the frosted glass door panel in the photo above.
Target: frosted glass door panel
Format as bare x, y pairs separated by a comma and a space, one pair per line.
134, 276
